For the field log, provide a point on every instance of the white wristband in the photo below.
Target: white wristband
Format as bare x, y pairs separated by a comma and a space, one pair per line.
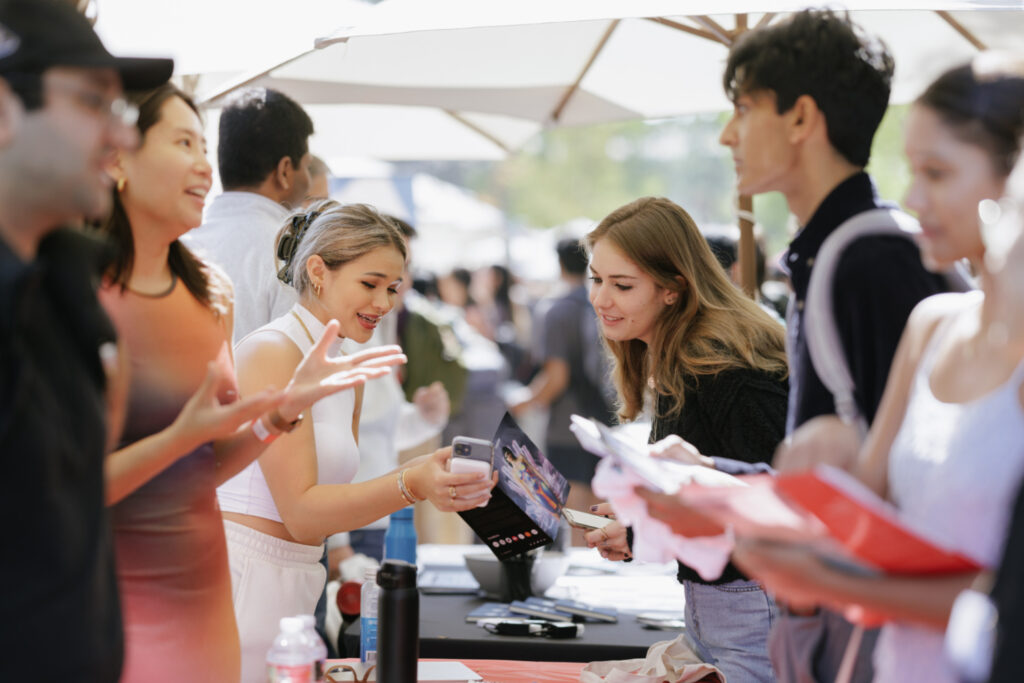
261, 431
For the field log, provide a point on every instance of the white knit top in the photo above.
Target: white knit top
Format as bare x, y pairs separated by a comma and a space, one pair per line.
337, 455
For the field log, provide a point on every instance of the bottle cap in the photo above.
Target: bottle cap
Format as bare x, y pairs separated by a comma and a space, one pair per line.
404, 513
308, 620
396, 574
370, 574
291, 625
348, 598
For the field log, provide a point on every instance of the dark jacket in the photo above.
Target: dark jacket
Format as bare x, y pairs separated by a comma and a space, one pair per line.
739, 414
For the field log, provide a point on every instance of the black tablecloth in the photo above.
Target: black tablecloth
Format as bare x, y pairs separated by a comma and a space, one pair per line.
444, 634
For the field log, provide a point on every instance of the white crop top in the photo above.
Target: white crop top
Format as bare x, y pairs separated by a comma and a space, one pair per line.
337, 455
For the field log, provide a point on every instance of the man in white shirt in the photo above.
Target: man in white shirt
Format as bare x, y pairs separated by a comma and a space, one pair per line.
263, 158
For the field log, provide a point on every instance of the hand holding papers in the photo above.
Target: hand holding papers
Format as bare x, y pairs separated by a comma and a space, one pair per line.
625, 466
868, 527
846, 525
657, 474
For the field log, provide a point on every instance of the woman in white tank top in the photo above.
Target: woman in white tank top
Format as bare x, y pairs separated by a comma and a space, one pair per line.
947, 444
346, 263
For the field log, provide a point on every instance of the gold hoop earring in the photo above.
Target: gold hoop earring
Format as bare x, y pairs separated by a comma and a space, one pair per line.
121, 182
316, 288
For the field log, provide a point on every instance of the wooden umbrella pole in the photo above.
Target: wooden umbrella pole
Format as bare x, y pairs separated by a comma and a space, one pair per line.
556, 115
961, 29
747, 249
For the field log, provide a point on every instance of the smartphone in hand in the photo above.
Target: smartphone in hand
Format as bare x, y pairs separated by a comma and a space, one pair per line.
585, 520
472, 455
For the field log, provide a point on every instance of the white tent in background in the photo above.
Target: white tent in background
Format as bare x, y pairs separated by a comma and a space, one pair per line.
444, 214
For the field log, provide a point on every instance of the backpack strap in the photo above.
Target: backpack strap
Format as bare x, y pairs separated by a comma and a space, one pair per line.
824, 345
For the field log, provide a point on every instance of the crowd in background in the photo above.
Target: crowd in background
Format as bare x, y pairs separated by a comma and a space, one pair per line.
205, 408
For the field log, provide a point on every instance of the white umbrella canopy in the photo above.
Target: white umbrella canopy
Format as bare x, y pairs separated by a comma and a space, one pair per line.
462, 79
579, 62
475, 79
215, 42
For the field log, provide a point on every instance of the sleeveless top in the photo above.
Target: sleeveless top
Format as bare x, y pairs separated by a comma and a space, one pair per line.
337, 455
172, 565
954, 470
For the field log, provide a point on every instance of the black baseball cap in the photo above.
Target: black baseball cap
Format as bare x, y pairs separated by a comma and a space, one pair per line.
36, 35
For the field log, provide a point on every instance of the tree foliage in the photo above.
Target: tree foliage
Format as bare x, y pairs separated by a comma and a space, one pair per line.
568, 173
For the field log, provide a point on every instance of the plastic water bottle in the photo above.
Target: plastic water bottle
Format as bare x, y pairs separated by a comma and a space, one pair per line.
398, 640
400, 538
289, 659
317, 648
368, 597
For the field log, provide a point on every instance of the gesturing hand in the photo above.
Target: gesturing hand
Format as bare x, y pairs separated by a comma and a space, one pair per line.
204, 418
318, 375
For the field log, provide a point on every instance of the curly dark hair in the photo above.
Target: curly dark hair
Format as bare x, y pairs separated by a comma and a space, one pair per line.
820, 53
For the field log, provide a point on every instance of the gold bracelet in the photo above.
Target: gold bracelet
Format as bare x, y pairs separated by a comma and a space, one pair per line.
404, 490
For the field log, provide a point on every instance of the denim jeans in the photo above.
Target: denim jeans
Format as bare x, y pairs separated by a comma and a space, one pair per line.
728, 624
369, 542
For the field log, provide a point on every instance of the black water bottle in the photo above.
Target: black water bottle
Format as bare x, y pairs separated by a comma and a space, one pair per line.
398, 623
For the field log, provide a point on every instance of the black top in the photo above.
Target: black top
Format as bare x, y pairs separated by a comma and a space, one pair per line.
60, 617
739, 414
878, 281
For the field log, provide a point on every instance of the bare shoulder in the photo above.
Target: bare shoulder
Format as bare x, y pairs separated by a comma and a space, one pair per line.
267, 354
930, 313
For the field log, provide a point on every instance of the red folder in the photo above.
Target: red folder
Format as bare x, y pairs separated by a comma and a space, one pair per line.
831, 509
867, 526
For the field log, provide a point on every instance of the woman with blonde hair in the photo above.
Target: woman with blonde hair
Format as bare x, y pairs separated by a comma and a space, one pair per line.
346, 263
711, 366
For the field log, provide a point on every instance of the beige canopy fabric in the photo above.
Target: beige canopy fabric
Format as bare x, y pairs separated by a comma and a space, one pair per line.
463, 79
476, 79
579, 62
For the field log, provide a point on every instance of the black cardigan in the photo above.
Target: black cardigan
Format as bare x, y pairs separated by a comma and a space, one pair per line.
738, 414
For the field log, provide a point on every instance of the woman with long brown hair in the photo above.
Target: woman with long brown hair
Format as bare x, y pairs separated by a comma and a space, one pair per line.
710, 364
184, 432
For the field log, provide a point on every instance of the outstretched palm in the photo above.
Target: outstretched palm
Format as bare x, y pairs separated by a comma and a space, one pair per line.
318, 375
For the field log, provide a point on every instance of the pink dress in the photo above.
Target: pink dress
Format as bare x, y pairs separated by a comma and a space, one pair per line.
172, 563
